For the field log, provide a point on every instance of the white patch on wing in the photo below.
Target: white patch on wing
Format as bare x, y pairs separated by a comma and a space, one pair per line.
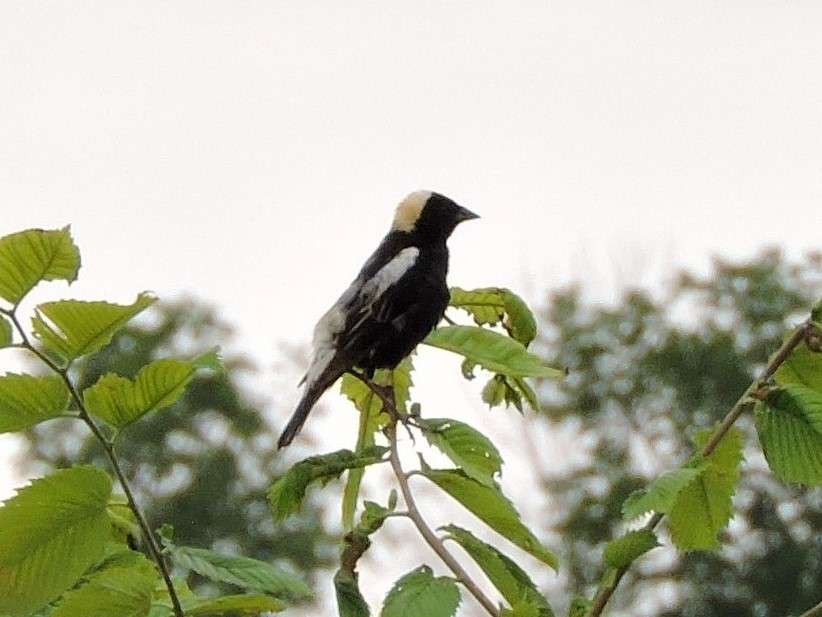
322, 345
331, 324
390, 273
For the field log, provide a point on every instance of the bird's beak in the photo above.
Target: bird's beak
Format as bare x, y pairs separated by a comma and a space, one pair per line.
464, 214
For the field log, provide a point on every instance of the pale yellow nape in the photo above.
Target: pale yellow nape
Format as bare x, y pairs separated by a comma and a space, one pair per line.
409, 211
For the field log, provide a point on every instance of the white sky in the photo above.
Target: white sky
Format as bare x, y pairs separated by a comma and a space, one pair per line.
251, 152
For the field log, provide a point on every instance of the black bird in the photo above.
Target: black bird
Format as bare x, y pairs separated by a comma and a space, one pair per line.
395, 301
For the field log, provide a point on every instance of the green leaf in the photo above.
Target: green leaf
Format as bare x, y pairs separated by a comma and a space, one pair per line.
120, 401
6, 333
50, 533
624, 550
252, 604
509, 390
372, 518
493, 305
122, 591
469, 449
35, 255
286, 494
350, 602
511, 580
210, 360
493, 351
703, 507
802, 367
520, 609
419, 594
520, 322
789, 424
72, 328
490, 506
243, 572
26, 400
661, 495
579, 607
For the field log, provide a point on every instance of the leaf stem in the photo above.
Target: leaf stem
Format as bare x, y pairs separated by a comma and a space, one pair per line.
607, 589
108, 448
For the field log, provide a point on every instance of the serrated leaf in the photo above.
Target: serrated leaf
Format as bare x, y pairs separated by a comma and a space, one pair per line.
703, 507
493, 351
485, 305
579, 607
802, 367
6, 333
491, 507
661, 494
789, 424
372, 518
125, 591
420, 594
624, 550
50, 533
26, 400
252, 604
210, 359
512, 581
493, 305
519, 322
243, 572
120, 401
35, 255
467, 448
520, 609
510, 391
73, 328
286, 494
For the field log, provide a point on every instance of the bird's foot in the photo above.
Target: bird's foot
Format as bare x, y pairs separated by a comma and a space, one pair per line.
389, 405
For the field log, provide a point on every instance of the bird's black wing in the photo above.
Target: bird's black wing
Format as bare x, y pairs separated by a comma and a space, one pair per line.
380, 302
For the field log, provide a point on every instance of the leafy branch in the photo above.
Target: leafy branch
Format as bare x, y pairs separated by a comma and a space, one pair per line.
806, 331
108, 448
471, 482
413, 511
64, 540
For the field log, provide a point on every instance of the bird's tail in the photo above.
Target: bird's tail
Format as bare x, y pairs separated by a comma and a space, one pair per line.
310, 397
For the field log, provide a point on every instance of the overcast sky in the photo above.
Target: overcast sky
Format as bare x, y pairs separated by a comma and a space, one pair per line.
251, 152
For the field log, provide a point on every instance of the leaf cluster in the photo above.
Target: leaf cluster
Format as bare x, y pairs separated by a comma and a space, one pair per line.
473, 481
67, 540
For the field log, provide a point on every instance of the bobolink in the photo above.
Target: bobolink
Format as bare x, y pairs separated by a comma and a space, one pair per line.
395, 301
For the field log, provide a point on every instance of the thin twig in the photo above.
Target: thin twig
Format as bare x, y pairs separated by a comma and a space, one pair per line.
606, 591
413, 511
108, 448
428, 535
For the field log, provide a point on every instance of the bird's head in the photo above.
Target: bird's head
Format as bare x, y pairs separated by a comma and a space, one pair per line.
429, 214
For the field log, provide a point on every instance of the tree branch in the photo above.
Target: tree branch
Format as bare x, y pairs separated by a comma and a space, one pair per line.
605, 592
108, 448
428, 535
413, 511
814, 611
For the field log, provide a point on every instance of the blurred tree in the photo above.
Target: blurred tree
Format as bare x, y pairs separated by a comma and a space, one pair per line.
643, 376
202, 465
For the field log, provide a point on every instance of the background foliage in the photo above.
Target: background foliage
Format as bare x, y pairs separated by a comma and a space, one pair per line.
647, 377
